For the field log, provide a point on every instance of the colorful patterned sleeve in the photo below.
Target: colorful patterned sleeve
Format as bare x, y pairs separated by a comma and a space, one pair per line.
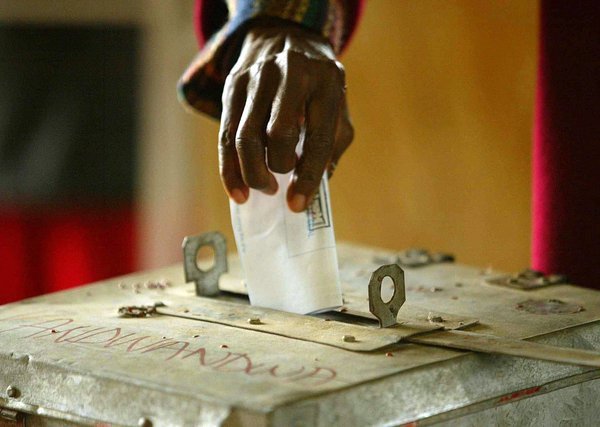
221, 27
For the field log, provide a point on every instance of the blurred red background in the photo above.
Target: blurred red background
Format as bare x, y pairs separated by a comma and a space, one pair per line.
52, 249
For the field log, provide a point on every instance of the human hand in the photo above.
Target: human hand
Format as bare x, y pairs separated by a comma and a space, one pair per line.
286, 78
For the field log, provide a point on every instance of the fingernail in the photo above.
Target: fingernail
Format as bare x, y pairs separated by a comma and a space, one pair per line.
238, 196
298, 202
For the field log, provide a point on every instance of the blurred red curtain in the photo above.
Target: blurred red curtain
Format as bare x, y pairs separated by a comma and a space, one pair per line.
49, 249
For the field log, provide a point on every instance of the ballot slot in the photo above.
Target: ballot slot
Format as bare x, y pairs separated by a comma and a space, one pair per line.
207, 280
337, 330
343, 315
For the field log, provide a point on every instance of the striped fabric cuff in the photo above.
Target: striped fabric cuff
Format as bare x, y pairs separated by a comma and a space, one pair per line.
201, 85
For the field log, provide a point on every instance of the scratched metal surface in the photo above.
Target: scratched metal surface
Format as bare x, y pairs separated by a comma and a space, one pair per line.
72, 357
575, 406
456, 388
290, 325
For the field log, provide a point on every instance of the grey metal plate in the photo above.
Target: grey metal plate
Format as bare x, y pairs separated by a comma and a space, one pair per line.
498, 345
290, 325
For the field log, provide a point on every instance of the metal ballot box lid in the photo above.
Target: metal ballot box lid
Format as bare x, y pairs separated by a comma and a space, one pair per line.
70, 357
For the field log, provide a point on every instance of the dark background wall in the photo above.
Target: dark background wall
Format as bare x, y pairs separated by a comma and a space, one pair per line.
68, 98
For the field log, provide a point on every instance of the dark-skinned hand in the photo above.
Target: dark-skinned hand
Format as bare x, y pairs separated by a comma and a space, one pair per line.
286, 78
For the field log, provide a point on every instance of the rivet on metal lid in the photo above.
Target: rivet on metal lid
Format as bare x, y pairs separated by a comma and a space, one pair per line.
12, 391
349, 338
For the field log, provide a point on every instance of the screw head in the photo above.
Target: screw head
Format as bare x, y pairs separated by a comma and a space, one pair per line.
144, 422
255, 321
12, 391
349, 338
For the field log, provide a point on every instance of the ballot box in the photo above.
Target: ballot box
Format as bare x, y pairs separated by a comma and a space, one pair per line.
470, 347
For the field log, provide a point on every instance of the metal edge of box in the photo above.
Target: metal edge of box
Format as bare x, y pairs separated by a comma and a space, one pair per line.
135, 403
447, 389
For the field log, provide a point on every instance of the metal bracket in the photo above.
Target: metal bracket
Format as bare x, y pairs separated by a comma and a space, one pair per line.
413, 258
11, 417
386, 313
421, 258
207, 281
528, 279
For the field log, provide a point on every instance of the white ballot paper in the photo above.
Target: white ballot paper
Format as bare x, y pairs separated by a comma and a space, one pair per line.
289, 259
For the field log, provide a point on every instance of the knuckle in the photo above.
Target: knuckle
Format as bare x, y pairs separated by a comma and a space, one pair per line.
247, 145
320, 144
234, 84
225, 140
283, 135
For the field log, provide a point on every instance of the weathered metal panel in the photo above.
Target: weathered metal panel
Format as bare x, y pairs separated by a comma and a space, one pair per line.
71, 357
453, 388
575, 406
497, 345
307, 328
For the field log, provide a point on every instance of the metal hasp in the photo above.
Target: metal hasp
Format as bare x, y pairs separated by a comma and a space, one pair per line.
421, 257
386, 312
529, 279
207, 281
8, 417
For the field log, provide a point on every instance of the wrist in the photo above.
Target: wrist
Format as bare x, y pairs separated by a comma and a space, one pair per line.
275, 27
267, 40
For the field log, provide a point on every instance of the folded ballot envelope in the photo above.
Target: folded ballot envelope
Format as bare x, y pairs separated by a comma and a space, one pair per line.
289, 259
